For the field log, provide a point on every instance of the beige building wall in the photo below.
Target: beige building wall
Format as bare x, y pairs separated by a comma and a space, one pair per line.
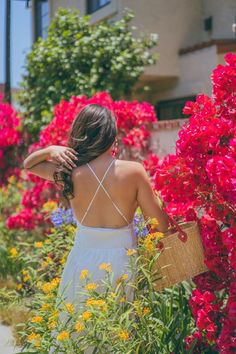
187, 52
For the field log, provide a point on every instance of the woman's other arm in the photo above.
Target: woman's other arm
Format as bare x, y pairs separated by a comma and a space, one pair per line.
148, 201
37, 163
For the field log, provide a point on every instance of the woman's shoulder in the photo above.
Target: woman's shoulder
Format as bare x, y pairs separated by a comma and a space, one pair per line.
133, 167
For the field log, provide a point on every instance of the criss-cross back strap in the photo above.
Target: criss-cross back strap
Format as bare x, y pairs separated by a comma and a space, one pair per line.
100, 185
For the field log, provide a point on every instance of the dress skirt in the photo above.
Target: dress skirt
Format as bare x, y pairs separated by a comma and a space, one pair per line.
93, 247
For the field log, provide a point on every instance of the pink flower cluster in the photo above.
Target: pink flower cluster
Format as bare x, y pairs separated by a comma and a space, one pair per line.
10, 138
199, 182
133, 121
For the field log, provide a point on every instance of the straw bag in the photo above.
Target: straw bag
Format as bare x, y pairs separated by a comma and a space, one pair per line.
181, 256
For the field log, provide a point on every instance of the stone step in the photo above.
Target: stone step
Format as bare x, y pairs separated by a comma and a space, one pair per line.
7, 341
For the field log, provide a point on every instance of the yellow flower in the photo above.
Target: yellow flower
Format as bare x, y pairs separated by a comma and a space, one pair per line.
26, 278
79, 326
47, 241
83, 273
13, 252
11, 179
131, 251
148, 244
50, 206
19, 286
69, 308
63, 260
146, 311
45, 307
38, 244
86, 315
122, 299
35, 339
33, 336
52, 324
95, 302
154, 222
49, 286
121, 278
158, 235
124, 335
64, 335
54, 316
91, 286
37, 319
19, 185
105, 266
55, 281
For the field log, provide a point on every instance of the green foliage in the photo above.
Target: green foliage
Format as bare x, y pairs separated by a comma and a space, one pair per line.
155, 322
80, 58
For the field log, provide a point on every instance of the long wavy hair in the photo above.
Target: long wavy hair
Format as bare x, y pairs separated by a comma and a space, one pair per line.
93, 132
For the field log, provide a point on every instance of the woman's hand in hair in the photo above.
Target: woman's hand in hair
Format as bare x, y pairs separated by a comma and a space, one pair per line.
64, 156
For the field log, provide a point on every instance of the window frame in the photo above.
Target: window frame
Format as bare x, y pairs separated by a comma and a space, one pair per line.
175, 102
91, 9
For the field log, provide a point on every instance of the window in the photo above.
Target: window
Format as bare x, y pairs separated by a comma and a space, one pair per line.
94, 5
41, 18
172, 109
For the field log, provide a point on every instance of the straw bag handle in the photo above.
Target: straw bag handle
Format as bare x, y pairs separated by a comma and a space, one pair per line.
182, 234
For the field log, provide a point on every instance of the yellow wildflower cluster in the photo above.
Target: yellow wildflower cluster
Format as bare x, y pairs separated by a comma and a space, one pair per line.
49, 206
79, 326
86, 315
19, 286
105, 266
141, 311
96, 302
35, 339
122, 278
154, 222
11, 179
38, 244
26, 275
91, 286
70, 308
131, 251
83, 273
37, 319
52, 321
64, 335
13, 252
46, 262
45, 307
49, 286
123, 334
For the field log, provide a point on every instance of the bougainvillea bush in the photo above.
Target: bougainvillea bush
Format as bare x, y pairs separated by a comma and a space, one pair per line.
133, 121
199, 183
10, 141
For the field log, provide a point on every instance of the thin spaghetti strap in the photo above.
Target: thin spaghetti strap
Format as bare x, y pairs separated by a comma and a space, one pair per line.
98, 187
101, 185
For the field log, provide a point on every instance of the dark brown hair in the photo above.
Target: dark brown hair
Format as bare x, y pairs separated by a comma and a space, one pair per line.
92, 133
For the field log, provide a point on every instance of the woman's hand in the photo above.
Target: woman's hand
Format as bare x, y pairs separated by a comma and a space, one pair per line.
63, 155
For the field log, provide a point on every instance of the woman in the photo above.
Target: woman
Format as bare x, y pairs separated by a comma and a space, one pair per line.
103, 193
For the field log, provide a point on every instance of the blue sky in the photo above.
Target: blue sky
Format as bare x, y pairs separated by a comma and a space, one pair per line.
21, 36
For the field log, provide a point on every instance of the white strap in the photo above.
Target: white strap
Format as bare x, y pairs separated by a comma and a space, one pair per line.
101, 185
98, 187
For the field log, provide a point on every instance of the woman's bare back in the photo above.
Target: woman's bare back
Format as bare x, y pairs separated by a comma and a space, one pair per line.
120, 187
128, 186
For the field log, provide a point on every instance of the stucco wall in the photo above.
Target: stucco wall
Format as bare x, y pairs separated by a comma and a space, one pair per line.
163, 141
195, 70
223, 13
